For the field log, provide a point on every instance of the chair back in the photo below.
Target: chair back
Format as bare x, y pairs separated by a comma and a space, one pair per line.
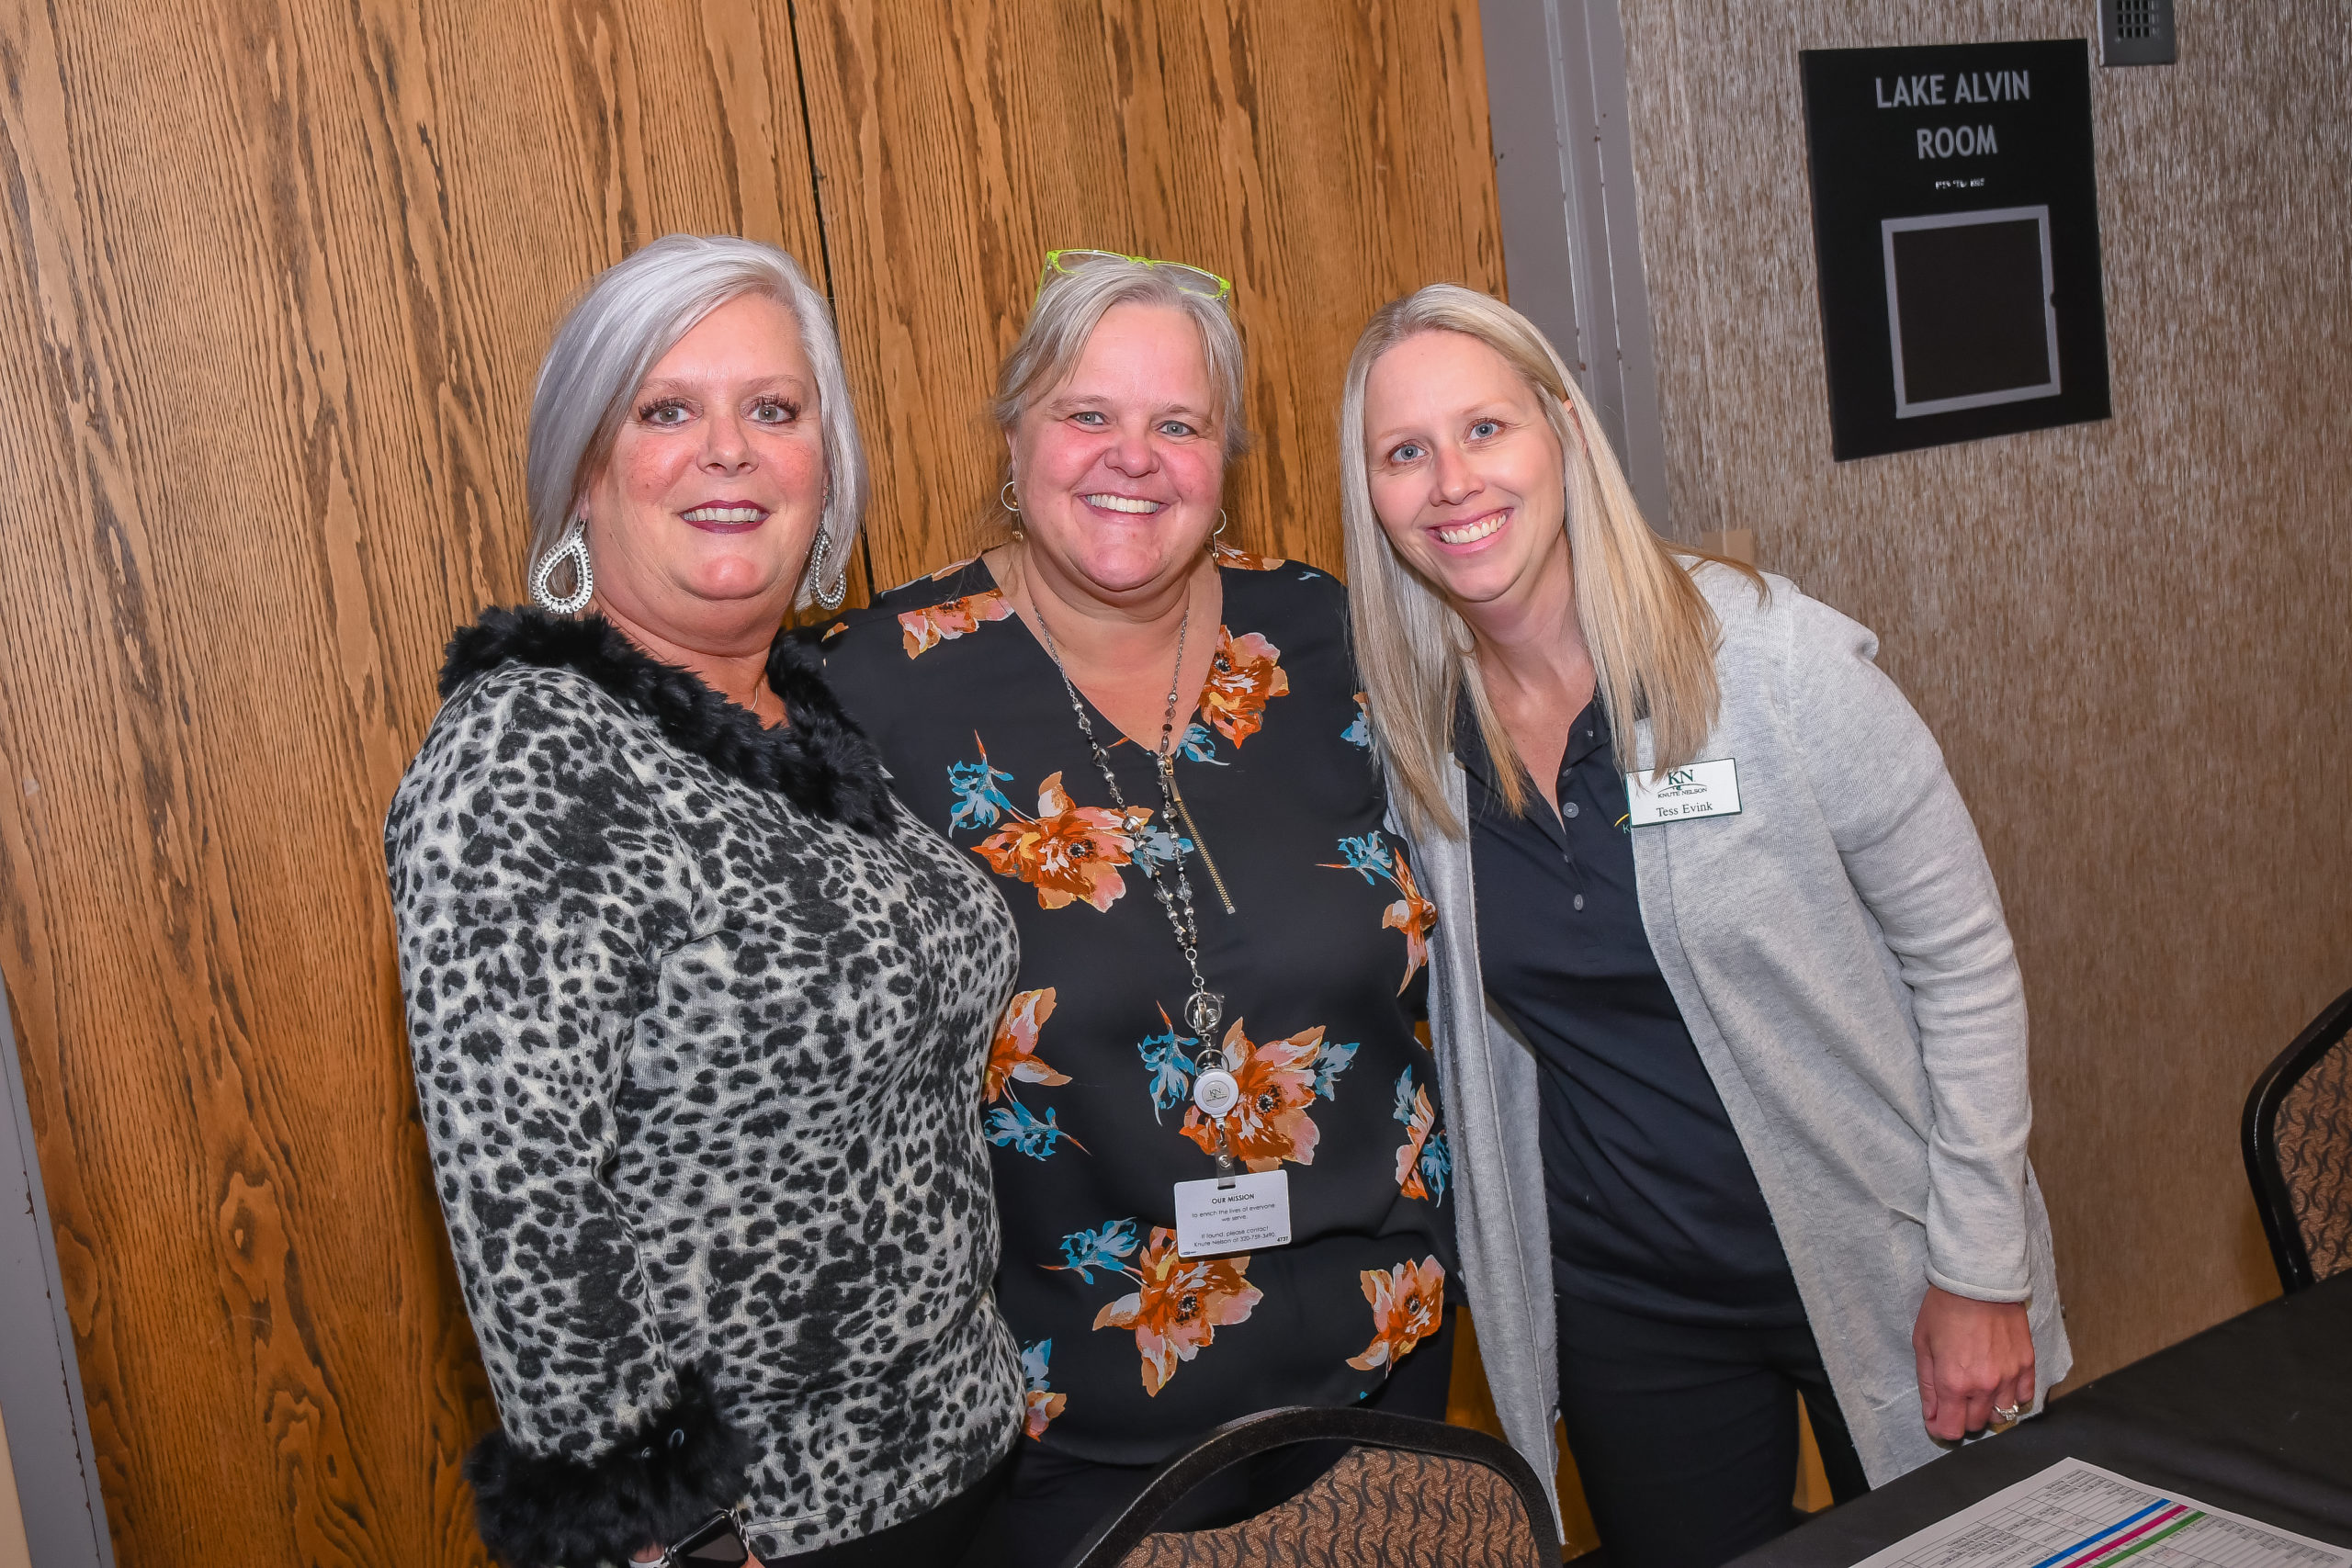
1408, 1494
2298, 1138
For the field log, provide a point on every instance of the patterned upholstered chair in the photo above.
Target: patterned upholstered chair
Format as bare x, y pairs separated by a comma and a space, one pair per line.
1408, 1494
2299, 1150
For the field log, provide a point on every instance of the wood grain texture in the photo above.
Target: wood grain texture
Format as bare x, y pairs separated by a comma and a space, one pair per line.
282, 278
283, 271
1326, 155
2130, 636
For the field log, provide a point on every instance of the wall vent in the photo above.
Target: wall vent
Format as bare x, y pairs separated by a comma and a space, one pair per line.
2135, 32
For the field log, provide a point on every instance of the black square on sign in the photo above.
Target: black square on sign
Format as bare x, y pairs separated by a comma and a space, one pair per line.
1968, 295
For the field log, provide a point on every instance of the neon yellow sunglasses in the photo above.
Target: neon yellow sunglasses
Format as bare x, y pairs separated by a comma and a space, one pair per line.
1189, 278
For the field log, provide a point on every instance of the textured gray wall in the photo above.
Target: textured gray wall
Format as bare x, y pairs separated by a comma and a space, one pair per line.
2132, 636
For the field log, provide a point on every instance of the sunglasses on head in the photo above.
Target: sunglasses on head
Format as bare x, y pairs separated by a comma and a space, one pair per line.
1190, 279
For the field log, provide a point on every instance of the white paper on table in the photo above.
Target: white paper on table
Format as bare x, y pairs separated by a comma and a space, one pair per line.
2076, 1514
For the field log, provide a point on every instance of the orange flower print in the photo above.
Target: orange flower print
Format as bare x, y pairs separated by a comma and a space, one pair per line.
1014, 1054
1179, 1305
1270, 1124
1243, 678
1242, 560
925, 630
1415, 1109
1043, 1403
1070, 852
1408, 1306
833, 631
1413, 915
1424, 1162
1375, 860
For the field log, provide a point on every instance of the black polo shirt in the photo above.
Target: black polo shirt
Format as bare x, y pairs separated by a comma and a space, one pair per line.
1654, 1206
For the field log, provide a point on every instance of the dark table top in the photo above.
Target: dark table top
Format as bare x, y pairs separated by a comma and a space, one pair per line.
2254, 1415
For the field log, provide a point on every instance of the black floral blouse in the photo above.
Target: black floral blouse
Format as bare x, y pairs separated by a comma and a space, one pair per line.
1128, 1349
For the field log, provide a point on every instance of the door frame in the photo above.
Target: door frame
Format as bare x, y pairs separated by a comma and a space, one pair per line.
1572, 242
40, 1383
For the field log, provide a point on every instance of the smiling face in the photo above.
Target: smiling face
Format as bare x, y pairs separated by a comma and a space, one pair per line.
701, 519
1466, 472
1120, 468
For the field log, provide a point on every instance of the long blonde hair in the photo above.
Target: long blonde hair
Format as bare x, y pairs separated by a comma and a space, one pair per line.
1650, 633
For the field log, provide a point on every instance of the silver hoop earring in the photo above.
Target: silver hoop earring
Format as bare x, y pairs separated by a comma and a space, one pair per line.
574, 549
816, 554
1220, 524
1006, 499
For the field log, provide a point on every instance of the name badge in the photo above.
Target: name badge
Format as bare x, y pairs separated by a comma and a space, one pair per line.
1703, 789
1246, 1215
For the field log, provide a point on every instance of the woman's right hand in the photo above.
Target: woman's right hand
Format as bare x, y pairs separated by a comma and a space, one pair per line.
1975, 1358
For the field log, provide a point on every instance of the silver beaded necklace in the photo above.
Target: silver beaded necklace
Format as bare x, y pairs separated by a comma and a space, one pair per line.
1215, 1090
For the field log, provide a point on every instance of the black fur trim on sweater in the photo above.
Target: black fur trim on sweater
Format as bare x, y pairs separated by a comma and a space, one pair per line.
820, 760
668, 1475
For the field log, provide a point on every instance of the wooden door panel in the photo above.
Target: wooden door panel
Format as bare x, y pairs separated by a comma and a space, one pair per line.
283, 275
1324, 155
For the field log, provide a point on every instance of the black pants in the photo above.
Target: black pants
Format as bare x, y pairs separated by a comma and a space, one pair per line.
940, 1536
1053, 1500
1686, 1437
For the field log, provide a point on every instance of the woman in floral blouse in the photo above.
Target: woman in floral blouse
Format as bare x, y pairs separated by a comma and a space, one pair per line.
1221, 949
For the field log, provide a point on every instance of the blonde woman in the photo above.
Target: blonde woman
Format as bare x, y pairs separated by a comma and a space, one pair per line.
1719, 969
1153, 745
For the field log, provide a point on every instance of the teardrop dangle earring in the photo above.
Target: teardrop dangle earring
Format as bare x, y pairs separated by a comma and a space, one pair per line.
818, 551
573, 548
1010, 500
817, 555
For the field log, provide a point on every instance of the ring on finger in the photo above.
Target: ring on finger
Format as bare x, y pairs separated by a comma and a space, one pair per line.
2006, 1413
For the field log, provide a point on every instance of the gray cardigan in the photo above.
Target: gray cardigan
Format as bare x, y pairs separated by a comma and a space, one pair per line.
1838, 953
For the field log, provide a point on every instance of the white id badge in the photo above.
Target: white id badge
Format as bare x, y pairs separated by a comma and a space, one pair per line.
1703, 789
1252, 1214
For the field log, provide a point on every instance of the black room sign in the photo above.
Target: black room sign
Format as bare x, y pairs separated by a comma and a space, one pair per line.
1955, 218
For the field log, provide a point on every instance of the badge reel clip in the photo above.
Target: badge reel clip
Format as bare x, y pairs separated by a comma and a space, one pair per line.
1216, 1091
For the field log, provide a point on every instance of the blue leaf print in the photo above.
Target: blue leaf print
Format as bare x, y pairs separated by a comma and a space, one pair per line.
1088, 1250
1156, 847
1329, 1063
1034, 1358
978, 803
1404, 1111
1436, 1164
1368, 857
1170, 1069
1359, 733
1015, 1126
1199, 745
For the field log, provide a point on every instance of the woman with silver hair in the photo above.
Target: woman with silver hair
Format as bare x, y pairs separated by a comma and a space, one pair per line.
695, 1010
1153, 741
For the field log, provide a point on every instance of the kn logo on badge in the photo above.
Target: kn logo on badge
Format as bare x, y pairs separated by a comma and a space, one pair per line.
1701, 789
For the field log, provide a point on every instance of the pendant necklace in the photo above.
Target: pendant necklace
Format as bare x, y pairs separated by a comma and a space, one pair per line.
1215, 1090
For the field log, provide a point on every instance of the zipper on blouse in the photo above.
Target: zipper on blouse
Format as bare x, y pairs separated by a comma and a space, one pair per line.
1176, 793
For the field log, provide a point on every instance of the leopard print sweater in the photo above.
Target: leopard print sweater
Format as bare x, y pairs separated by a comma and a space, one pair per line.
698, 1022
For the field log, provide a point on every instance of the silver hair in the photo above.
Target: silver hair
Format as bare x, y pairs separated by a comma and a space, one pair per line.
1074, 303
628, 320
